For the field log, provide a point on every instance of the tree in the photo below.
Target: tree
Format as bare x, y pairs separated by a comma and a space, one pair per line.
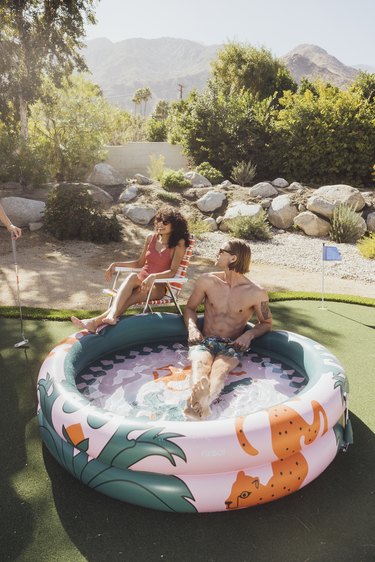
161, 110
38, 38
137, 99
241, 66
146, 95
71, 125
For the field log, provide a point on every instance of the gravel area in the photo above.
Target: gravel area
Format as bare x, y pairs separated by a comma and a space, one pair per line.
299, 252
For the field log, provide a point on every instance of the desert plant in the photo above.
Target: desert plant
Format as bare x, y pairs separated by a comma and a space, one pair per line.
72, 213
243, 172
197, 226
209, 172
156, 167
168, 197
366, 246
172, 179
345, 224
251, 228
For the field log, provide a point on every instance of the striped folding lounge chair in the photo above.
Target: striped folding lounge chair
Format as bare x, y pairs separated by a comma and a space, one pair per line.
174, 284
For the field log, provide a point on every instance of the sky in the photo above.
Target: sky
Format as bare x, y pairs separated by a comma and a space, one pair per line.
344, 28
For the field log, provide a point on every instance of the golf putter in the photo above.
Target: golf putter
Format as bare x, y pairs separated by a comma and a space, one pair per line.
24, 343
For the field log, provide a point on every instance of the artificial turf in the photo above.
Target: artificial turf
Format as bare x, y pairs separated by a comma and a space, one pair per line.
47, 515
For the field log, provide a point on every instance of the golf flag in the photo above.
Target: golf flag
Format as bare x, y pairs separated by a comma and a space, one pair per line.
331, 253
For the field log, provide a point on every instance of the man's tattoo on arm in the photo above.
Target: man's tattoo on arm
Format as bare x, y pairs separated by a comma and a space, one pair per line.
265, 310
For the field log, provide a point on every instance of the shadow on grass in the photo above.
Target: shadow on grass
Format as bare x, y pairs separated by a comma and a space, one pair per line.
331, 519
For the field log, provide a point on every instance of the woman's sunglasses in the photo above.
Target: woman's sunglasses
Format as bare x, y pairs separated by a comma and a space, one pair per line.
221, 250
165, 222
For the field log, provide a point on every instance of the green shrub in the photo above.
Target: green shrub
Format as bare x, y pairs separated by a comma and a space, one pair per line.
366, 246
197, 227
345, 224
251, 228
209, 172
156, 167
156, 131
244, 172
172, 179
168, 197
71, 213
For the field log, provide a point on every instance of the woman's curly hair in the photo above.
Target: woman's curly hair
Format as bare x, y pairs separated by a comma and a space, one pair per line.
180, 229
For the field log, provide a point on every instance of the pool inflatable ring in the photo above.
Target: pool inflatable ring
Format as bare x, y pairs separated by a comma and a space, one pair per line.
189, 466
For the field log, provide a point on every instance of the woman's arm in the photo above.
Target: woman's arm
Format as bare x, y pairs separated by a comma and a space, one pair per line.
138, 263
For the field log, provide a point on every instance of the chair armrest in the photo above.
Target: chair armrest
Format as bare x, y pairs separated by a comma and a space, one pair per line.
181, 280
129, 269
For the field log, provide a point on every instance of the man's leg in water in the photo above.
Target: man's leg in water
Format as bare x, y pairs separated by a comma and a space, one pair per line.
197, 405
222, 365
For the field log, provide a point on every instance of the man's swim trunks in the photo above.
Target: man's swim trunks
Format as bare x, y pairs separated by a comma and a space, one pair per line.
218, 346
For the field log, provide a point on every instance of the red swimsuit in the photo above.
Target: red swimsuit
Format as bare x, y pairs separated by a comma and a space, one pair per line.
156, 261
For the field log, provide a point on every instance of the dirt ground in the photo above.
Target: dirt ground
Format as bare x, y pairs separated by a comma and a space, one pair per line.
70, 274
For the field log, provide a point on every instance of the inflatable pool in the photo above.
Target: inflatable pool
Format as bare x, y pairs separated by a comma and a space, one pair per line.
110, 412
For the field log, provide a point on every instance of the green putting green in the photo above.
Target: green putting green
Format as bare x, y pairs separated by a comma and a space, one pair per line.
47, 515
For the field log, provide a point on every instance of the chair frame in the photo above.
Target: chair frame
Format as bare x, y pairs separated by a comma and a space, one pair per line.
166, 281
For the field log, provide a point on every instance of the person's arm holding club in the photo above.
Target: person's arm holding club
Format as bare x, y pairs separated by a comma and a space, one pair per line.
15, 231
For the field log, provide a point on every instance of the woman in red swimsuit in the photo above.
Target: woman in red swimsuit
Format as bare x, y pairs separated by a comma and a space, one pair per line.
160, 258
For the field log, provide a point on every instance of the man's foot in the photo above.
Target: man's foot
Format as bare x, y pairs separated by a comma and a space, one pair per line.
197, 406
88, 325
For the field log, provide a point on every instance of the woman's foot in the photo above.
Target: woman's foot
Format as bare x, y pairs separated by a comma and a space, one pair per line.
88, 325
110, 319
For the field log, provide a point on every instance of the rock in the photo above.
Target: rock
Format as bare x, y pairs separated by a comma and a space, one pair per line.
239, 210
320, 205
210, 224
35, 226
342, 193
142, 180
226, 184
282, 212
128, 194
197, 180
301, 207
266, 203
311, 224
361, 228
296, 186
280, 182
211, 201
263, 189
23, 211
100, 196
371, 222
139, 214
105, 175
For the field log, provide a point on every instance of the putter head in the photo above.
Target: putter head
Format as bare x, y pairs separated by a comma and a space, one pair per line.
22, 344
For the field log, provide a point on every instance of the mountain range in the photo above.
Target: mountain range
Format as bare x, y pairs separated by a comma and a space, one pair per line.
173, 67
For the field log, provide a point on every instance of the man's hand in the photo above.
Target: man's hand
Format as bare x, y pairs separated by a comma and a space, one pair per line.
243, 342
195, 336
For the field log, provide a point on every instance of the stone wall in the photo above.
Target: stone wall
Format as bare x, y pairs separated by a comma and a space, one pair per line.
134, 157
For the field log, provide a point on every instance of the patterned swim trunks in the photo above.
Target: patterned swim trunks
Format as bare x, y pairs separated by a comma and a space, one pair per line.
218, 346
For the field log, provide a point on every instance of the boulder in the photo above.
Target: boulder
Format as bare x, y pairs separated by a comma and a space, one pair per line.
342, 193
281, 212
226, 184
100, 196
128, 194
263, 189
296, 186
211, 224
371, 222
197, 180
280, 182
320, 205
311, 224
142, 180
211, 201
139, 214
239, 210
105, 175
22, 211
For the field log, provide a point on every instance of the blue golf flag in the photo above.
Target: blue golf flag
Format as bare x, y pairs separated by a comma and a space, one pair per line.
331, 253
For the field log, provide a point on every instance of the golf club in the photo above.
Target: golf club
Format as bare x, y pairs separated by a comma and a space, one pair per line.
24, 342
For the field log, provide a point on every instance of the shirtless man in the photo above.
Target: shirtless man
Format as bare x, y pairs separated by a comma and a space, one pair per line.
230, 301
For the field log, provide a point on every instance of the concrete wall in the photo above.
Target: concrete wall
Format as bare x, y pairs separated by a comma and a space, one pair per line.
134, 157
